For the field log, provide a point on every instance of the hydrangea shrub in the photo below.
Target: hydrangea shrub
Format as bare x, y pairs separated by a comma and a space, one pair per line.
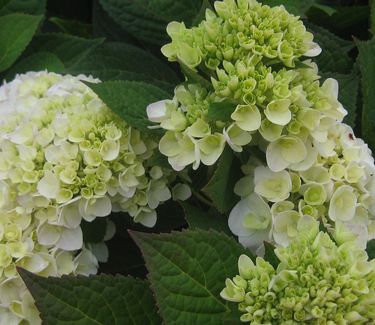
255, 118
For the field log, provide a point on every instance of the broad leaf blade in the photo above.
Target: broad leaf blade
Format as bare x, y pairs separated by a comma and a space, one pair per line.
269, 254
31, 7
220, 187
372, 16
72, 27
16, 32
95, 300
69, 49
334, 56
199, 219
131, 61
147, 19
295, 7
221, 111
366, 60
187, 272
129, 100
104, 26
36, 62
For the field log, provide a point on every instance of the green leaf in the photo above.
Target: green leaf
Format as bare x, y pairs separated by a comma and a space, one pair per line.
187, 271
69, 49
104, 26
366, 60
36, 62
269, 254
199, 219
129, 100
147, 19
133, 63
220, 187
371, 249
201, 15
31, 7
158, 159
334, 56
372, 16
296, 7
325, 8
16, 32
94, 300
221, 111
349, 17
72, 27
3, 3
348, 93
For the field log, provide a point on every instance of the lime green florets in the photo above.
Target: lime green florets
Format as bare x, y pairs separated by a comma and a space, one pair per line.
316, 282
237, 29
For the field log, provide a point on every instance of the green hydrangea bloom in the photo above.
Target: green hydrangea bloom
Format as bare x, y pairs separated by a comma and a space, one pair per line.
244, 54
316, 282
336, 189
281, 109
65, 156
238, 28
19, 246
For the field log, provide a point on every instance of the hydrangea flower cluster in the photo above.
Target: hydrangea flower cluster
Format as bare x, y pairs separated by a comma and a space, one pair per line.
64, 157
19, 246
338, 190
316, 282
252, 91
237, 29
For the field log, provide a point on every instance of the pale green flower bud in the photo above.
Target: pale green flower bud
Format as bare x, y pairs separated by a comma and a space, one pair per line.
307, 285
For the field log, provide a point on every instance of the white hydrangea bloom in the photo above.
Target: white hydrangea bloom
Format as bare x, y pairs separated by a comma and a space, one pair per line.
19, 246
335, 187
65, 156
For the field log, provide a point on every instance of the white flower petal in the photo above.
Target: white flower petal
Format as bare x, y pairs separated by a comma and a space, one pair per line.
343, 204
157, 112
49, 185
70, 239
